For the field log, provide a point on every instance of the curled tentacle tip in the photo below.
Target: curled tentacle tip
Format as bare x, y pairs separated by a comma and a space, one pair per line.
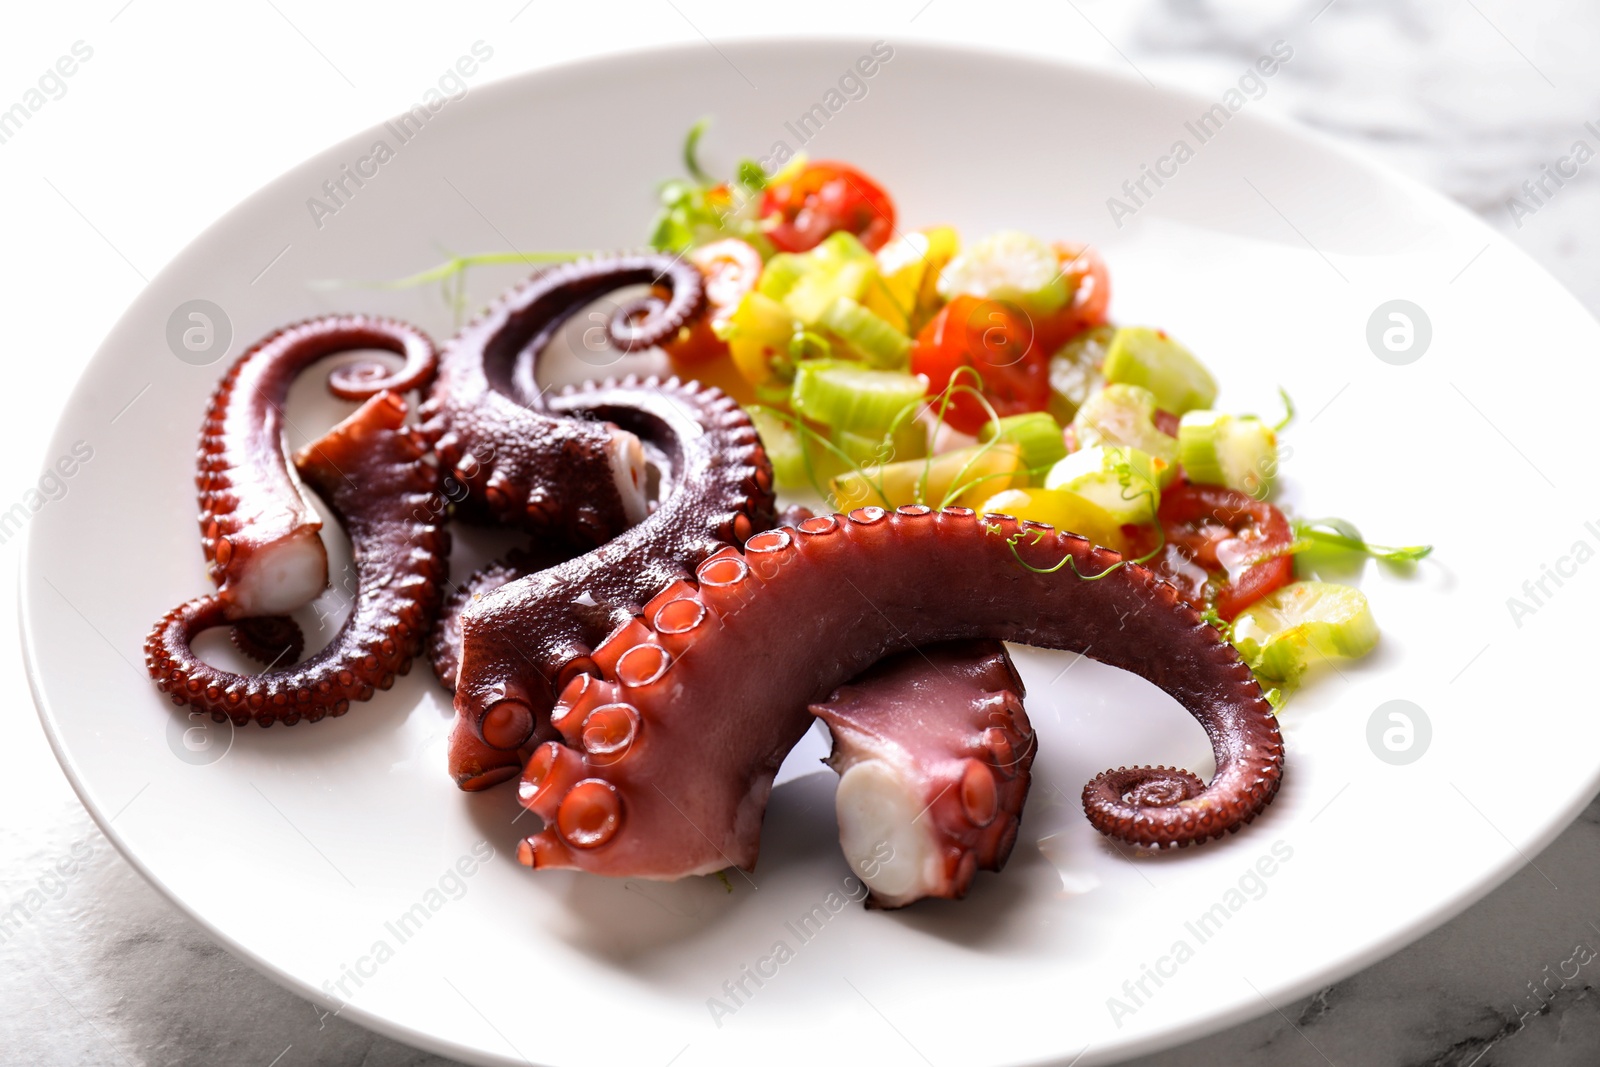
363, 376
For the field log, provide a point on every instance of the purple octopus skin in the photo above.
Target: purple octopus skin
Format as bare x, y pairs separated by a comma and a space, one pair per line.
259, 533
444, 643
522, 459
933, 749
521, 642
666, 759
371, 471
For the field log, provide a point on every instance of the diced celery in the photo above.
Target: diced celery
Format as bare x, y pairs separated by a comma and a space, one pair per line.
1279, 635
1138, 355
1124, 481
780, 275
1238, 451
853, 398
841, 247
840, 266
866, 335
790, 448
907, 441
1075, 372
1066, 511
1036, 433
1009, 266
965, 477
1125, 415
759, 333
783, 447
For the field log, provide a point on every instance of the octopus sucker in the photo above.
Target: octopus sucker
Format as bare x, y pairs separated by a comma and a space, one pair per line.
848, 591
270, 639
258, 530
370, 472
535, 633
524, 457
933, 749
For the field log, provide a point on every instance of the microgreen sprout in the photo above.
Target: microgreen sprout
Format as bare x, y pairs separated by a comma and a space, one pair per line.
691, 151
701, 209
1339, 533
1288, 411
452, 274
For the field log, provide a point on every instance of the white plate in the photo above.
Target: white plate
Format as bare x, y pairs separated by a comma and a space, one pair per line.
1268, 253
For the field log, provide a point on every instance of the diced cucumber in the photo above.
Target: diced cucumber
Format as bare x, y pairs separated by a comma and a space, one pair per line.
853, 398
965, 477
1281, 634
1124, 481
1075, 372
1238, 451
1036, 433
866, 335
1138, 355
1008, 266
1123, 414
1066, 511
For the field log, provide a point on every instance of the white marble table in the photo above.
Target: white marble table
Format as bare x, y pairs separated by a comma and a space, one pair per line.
186, 107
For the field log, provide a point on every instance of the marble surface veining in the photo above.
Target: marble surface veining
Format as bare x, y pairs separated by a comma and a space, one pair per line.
1471, 106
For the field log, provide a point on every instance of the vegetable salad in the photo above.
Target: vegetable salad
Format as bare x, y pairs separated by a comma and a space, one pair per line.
888, 366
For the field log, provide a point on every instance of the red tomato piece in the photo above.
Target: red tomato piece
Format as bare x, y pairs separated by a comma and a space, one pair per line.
994, 338
825, 198
1222, 546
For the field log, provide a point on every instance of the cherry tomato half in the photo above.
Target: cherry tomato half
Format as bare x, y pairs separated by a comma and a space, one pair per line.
730, 268
996, 339
825, 198
1082, 266
1220, 545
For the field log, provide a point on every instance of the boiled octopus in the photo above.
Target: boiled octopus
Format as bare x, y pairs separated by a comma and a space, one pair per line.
261, 534
369, 469
717, 489
666, 758
570, 660
525, 459
933, 751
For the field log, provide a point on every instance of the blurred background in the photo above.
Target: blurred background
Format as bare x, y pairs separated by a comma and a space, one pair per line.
185, 108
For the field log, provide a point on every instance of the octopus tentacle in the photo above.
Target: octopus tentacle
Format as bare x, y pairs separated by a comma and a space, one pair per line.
933, 749
259, 533
493, 428
668, 754
371, 471
515, 659
444, 642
